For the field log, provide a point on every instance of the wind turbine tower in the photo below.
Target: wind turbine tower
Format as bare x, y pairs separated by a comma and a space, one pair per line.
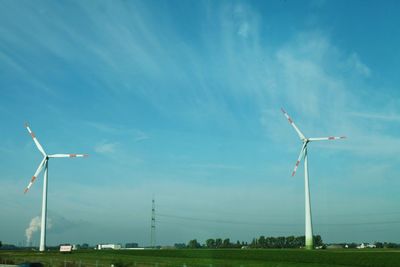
303, 154
153, 224
45, 164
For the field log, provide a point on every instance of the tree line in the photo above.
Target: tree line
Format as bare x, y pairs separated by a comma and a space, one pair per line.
260, 242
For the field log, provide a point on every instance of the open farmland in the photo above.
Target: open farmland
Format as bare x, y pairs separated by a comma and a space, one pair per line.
210, 258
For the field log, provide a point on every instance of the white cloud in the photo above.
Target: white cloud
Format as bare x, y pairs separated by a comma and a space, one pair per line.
245, 20
244, 29
217, 166
140, 136
355, 62
120, 130
106, 148
376, 116
103, 127
310, 85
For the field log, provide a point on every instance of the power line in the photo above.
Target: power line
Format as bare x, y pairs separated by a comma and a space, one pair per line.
359, 214
213, 221
360, 223
272, 224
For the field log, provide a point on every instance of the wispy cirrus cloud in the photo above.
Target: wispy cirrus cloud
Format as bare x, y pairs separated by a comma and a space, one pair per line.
246, 20
355, 62
120, 130
106, 147
140, 136
217, 166
376, 116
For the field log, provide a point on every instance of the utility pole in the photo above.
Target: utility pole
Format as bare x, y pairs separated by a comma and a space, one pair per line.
153, 224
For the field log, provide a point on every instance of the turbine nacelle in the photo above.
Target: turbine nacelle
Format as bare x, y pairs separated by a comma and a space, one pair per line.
306, 140
46, 157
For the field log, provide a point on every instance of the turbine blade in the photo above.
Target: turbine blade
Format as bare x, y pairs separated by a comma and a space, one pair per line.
39, 169
68, 155
299, 158
35, 140
301, 135
327, 138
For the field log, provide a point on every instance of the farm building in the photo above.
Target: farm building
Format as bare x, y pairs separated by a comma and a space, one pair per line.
108, 246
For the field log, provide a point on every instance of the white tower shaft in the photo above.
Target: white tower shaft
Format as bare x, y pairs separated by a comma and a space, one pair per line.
44, 210
309, 231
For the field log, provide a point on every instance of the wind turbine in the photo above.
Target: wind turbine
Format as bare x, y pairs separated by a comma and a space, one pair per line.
45, 164
303, 154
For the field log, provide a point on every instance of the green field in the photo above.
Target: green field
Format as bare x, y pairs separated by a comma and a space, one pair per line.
210, 258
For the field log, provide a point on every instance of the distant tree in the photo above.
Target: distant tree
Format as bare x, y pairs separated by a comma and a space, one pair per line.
85, 246
352, 245
210, 243
218, 243
267, 242
281, 241
379, 244
238, 245
391, 245
253, 243
317, 241
180, 245
300, 241
290, 242
226, 243
270, 242
131, 245
1, 244
194, 244
261, 242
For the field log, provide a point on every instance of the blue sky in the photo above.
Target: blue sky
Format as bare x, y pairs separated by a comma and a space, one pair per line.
181, 100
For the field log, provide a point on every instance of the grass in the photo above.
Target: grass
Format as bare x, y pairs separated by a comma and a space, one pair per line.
210, 258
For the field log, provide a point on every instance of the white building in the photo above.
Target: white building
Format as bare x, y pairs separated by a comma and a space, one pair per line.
108, 246
366, 245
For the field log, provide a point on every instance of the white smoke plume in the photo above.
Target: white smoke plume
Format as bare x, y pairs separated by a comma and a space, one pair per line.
35, 225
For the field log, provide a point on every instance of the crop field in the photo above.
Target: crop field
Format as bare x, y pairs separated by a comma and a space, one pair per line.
209, 258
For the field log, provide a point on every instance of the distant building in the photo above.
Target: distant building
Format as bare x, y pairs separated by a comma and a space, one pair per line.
66, 248
366, 245
108, 246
